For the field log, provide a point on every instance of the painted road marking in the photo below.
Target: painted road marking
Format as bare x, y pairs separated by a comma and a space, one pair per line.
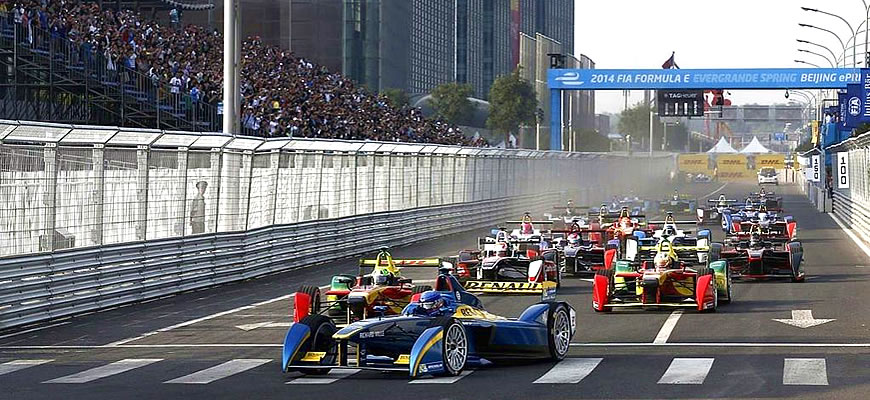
205, 318
602, 344
333, 376
442, 379
803, 319
570, 370
719, 344
34, 329
687, 371
107, 370
805, 371
17, 365
668, 327
221, 371
713, 192
267, 324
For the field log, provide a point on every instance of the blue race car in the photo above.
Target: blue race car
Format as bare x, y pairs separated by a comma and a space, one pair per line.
441, 332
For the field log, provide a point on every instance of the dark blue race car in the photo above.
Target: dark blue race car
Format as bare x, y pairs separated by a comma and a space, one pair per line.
441, 332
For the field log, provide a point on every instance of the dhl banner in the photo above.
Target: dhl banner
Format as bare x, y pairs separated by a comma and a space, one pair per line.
731, 163
694, 163
770, 160
727, 176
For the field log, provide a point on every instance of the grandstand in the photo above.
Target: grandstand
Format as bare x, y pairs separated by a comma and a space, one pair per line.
79, 63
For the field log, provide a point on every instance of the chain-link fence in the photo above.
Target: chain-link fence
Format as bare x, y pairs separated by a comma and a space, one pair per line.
73, 187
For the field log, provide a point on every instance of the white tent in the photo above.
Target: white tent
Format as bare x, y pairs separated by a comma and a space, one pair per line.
754, 147
722, 147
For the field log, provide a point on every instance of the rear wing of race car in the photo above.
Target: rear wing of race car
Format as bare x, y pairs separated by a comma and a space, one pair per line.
722, 201
675, 222
496, 287
369, 264
407, 262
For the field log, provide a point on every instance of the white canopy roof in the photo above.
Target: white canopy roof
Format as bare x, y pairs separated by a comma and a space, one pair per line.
722, 147
754, 147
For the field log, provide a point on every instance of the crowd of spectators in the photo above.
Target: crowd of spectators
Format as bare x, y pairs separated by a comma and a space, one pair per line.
282, 93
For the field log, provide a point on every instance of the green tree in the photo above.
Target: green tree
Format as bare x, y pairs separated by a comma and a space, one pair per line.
634, 121
450, 102
591, 140
397, 97
512, 103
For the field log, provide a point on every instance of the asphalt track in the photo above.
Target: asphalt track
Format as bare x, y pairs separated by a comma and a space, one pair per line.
225, 342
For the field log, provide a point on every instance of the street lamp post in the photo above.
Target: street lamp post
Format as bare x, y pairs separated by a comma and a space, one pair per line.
807, 63
866, 32
817, 54
842, 44
852, 31
824, 47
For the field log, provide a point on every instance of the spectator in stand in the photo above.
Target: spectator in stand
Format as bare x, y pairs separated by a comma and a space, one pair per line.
282, 94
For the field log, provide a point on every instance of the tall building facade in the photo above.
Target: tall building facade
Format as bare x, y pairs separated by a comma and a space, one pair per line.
578, 105
416, 45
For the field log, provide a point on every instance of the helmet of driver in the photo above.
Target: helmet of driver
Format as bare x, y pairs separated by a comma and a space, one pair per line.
431, 302
754, 239
661, 260
574, 239
381, 276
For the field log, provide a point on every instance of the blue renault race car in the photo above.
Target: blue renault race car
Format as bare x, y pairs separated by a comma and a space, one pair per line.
441, 332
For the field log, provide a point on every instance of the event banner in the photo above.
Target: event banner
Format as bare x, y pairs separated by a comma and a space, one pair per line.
730, 176
694, 163
764, 78
843, 170
730, 163
769, 160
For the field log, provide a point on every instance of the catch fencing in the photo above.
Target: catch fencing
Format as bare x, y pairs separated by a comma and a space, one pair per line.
851, 205
92, 217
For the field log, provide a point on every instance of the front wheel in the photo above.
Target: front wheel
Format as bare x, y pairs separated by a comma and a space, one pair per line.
455, 348
320, 341
559, 329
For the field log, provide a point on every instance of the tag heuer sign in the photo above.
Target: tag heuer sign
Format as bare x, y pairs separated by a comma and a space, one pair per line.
680, 103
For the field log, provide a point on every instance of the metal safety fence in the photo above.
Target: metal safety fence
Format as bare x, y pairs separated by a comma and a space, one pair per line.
851, 205
97, 216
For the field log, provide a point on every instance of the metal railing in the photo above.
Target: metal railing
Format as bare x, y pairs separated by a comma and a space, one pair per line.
96, 216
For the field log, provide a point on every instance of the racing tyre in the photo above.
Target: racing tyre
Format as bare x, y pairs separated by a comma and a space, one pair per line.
559, 331
715, 253
420, 289
454, 350
314, 293
728, 282
322, 329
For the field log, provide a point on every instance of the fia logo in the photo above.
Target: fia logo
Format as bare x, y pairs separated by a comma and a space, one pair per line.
854, 106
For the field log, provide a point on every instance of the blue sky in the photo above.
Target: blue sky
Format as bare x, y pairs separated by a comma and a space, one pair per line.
708, 34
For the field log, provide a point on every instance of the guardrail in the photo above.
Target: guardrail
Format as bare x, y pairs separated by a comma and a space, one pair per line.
99, 216
67, 282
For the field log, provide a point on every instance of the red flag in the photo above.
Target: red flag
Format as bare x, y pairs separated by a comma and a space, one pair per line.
670, 63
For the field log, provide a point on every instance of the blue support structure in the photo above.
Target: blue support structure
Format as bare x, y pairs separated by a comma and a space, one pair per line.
555, 119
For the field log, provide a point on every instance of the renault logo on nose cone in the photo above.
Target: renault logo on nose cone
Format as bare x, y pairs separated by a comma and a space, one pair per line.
854, 106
